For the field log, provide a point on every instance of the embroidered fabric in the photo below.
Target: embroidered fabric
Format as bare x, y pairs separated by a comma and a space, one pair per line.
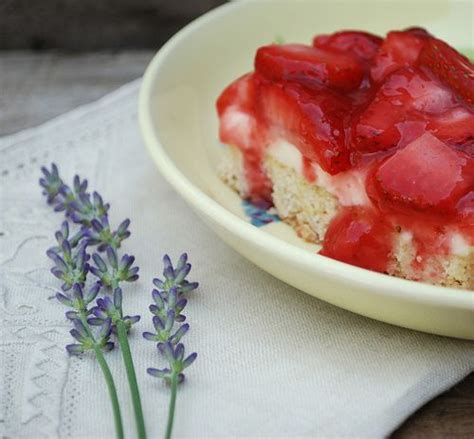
272, 361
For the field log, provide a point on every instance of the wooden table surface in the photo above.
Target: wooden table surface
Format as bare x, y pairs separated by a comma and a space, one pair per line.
37, 87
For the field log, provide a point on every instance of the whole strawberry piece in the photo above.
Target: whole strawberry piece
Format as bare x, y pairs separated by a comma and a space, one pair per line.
362, 44
309, 65
426, 175
450, 67
399, 49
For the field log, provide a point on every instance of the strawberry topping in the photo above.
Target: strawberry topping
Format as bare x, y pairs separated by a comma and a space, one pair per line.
426, 175
306, 64
455, 70
362, 44
358, 237
410, 99
314, 122
399, 49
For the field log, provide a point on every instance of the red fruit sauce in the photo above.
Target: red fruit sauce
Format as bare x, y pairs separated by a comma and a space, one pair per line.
398, 109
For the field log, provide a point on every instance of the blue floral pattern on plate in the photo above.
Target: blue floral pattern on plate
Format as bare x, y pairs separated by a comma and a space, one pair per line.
259, 215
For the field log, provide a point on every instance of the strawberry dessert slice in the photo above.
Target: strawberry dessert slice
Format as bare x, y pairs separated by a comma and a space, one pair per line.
314, 121
427, 175
362, 44
363, 144
300, 63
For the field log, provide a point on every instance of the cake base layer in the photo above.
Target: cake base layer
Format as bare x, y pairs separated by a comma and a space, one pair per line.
309, 209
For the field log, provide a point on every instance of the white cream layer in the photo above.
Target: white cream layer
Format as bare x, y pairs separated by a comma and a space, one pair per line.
348, 187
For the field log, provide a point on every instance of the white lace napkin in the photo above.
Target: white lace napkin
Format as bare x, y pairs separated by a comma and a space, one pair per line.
272, 360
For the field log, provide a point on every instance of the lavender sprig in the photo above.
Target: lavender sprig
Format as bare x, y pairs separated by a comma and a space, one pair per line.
169, 301
70, 259
84, 208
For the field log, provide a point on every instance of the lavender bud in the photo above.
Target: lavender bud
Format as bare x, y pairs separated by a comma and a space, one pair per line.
74, 349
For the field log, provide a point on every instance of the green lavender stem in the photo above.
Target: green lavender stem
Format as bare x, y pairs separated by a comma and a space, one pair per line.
174, 390
132, 378
112, 391
108, 379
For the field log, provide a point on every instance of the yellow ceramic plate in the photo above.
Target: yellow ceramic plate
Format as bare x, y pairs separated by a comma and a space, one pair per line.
179, 126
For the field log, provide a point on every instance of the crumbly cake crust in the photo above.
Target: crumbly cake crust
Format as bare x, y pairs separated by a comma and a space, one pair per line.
309, 208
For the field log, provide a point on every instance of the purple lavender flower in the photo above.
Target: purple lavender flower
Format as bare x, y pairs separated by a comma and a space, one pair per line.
51, 183
70, 258
168, 299
85, 207
108, 308
67, 199
169, 302
99, 233
163, 328
64, 234
77, 300
111, 271
176, 276
87, 340
88, 210
175, 357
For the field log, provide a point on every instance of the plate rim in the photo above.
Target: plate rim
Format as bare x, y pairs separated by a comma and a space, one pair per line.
377, 283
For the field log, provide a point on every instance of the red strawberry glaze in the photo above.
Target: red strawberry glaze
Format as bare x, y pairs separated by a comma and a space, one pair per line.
308, 170
396, 112
313, 120
450, 67
300, 63
399, 49
362, 44
358, 236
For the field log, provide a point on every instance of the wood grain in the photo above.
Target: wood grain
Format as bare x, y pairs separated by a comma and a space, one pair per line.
450, 415
37, 87
34, 88
94, 24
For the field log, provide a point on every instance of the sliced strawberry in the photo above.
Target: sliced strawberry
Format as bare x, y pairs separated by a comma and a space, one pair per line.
426, 175
455, 127
360, 237
240, 94
300, 63
313, 121
238, 126
408, 100
451, 67
236, 109
418, 31
362, 44
399, 49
